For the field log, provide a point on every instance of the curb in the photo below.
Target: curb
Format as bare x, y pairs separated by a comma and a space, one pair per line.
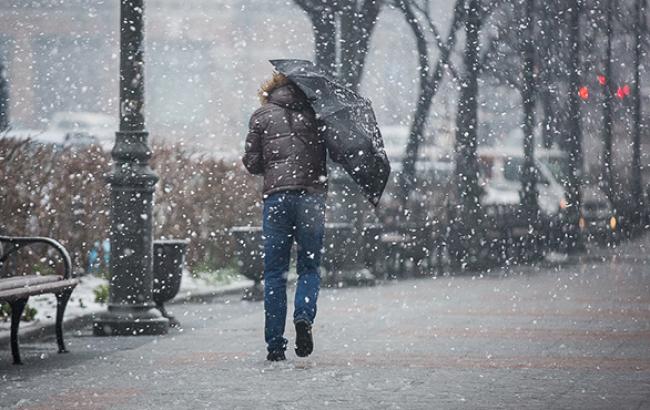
210, 294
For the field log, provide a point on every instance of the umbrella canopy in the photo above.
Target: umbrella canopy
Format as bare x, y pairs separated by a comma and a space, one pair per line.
351, 132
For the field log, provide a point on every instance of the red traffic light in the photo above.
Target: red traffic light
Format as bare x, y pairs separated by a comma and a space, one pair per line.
583, 92
623, 91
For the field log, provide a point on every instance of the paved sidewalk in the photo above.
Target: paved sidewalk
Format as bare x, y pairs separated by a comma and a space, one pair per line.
576, 336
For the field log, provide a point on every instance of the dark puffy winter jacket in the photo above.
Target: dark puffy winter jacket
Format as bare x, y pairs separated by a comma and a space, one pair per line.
284, 145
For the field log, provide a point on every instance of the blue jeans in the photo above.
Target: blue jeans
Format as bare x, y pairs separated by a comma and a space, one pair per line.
290, 215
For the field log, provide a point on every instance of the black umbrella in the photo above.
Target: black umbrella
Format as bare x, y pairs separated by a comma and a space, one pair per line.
351, 132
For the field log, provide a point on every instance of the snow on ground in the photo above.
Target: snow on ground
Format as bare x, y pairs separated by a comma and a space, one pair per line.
204, 283
82, 302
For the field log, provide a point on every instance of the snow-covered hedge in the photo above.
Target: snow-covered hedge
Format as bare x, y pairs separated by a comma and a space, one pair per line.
61, 192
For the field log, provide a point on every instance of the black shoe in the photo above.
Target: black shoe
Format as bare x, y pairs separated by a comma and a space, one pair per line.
276, 356
304, 340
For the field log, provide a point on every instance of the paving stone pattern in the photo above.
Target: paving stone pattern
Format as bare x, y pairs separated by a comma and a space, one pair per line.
575, 336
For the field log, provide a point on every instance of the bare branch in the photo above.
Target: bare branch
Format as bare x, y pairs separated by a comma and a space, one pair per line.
442, 46
429, 86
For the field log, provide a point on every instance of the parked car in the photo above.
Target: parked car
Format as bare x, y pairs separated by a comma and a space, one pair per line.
72, 128
79, 139
99, 126
506, 229
599, 220
500, 173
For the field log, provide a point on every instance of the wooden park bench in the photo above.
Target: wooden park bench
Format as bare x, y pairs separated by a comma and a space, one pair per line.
16, 290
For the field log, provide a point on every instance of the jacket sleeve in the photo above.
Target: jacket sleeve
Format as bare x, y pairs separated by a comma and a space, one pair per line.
253, 159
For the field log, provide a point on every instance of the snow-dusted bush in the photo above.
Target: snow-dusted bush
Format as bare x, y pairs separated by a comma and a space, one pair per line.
200, 198
62, 193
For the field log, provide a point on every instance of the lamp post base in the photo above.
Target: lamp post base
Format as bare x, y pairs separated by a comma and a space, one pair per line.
129, 321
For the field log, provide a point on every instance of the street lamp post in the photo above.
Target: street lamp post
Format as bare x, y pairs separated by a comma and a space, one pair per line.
131, 308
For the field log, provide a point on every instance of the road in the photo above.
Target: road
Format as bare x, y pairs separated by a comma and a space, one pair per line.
572, 336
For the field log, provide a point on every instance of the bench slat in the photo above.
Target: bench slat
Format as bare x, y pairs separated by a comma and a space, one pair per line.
26, 280
51, 287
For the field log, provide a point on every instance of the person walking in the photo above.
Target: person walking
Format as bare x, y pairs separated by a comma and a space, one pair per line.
285, 146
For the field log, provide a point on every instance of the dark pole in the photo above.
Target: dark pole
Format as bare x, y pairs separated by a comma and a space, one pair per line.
607, 110
574, 143
637, 196
131, 308
4, 98
529, 174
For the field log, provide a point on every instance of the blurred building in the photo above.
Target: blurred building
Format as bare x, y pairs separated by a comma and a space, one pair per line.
205, 60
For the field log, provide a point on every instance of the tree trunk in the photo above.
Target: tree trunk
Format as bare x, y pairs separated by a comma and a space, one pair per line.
550, 127
342, 35
356, 29
548, 63
574, 143
466, 136
324, 26
529, 172
606, 179
637, 194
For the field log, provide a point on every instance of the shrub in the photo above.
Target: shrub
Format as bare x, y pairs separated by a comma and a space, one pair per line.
62, 192
28, 314
101, 294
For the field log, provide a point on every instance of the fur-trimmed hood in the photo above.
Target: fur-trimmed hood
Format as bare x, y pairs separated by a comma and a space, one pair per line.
278, 80
281, 91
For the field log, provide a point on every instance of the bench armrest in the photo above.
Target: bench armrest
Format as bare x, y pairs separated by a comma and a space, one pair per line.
17, 242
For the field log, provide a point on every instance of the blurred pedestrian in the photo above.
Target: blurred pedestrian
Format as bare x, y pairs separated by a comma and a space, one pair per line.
93, 258
106, 251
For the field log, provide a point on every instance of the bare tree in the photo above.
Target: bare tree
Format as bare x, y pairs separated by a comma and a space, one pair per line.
418, 16
342, 32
